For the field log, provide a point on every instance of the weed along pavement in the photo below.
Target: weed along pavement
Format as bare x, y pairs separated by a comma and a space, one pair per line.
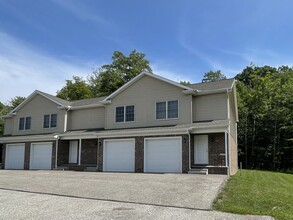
91, 195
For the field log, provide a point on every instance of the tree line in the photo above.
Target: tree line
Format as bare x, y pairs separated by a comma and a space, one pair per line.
265, 105
265, 128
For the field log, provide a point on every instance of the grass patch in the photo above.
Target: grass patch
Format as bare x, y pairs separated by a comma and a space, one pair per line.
258, 193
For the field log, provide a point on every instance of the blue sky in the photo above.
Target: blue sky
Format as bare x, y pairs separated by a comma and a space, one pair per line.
43, 43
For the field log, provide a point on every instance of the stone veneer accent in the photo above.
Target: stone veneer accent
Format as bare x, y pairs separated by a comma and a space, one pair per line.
216, 142
100, 154
89, 151
63, 152
3, 156
217, 149
139, 154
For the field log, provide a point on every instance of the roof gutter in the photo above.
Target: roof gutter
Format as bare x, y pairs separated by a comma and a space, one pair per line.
141, 133
85, 106
105, 102
13, 139
10, 115
197, 92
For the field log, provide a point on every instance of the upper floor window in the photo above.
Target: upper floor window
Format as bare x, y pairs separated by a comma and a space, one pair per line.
167, 110
124, 113
50, 121
25, 123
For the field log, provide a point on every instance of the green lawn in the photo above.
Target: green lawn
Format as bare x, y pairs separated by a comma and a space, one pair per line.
258, 193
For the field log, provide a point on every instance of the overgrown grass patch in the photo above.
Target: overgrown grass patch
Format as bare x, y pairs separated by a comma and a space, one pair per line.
259, 193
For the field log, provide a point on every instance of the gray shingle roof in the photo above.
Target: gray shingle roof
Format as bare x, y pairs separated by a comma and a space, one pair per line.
56, 99
222, 84
87, 101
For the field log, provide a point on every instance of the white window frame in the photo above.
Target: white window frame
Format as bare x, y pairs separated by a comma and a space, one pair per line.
124, 116
24, 125
166, 103
50, 115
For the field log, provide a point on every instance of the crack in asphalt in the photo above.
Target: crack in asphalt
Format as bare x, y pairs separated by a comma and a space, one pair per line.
104, 200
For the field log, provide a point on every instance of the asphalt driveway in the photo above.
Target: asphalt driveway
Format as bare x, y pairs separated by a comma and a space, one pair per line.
81, 195
174, 190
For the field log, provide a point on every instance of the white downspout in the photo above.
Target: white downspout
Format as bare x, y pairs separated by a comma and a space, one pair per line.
79, 151
56, 153
66, 119
227, 151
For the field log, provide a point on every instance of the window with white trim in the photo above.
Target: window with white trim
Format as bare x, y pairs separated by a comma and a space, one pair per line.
25, 123
50, 121
124, 114
167, 110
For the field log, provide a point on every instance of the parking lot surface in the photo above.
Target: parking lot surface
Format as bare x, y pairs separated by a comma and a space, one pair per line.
69, 195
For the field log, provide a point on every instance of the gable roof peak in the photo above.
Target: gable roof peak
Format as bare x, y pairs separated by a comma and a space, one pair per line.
52, 98
139, 76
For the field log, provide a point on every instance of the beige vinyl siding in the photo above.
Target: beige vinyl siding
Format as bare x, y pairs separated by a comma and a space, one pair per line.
232, 116
8, 126
36, 108
143, 95
86, 118
209, 107
234, 155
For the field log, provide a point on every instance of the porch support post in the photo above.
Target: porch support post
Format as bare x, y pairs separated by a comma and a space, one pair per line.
79, 151
226, 150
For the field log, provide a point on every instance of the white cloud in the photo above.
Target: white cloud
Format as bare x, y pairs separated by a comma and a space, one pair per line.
261, 57
24, 69
81, 11
169, 74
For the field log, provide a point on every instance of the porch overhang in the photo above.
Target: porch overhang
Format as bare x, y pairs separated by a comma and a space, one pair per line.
215, 126
27, 138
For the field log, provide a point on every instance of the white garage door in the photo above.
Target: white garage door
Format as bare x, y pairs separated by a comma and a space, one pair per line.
119, 155
14, 158
41, 156
162, 155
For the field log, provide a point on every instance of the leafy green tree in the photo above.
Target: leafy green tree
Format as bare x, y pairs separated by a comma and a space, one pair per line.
212, 76
75, 89
14, 102
4, 109
185, 83
265, 105
110, 77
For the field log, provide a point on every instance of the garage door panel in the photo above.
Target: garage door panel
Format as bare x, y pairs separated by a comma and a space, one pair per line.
14, 158
119, 155
163, 155
41, 156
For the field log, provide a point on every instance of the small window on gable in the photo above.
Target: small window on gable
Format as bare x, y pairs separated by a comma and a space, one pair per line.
120, 114
46, 121
129, 115
161, 110
124, 114
24, 123
21, 123
167, 110
53, 120
50, 121
28, 123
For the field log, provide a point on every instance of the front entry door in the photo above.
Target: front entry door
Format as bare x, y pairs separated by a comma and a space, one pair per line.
201, 149
73, 151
